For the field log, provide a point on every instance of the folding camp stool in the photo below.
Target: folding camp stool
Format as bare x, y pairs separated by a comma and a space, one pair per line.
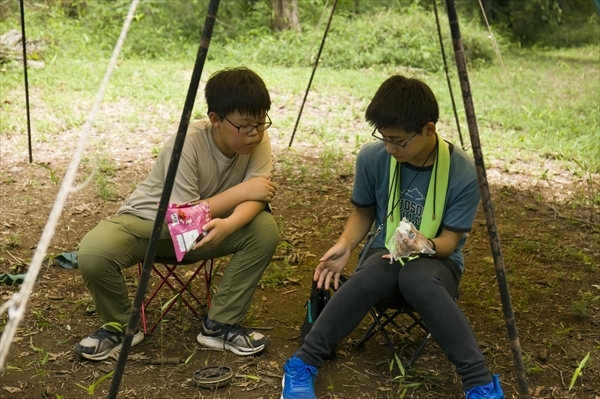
385, 314
165, 270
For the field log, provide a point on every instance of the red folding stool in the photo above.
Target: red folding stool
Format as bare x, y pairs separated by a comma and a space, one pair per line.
168, 277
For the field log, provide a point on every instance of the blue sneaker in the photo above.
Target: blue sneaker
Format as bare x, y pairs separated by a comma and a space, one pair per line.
493, 390
298, 380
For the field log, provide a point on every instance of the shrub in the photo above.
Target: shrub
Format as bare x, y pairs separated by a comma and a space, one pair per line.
382, 39
401, 35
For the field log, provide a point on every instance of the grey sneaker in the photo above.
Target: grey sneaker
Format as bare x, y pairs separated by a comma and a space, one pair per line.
234, 337
101, 344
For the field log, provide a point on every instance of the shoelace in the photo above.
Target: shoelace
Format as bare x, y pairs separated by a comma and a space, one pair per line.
102, 333
235, 331
301, 377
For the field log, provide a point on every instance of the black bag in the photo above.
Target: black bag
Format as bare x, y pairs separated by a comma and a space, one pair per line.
314, 306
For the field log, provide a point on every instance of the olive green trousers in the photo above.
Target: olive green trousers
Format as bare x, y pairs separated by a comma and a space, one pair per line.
121, 242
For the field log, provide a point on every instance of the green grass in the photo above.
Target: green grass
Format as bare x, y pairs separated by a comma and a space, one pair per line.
275, 275
545, 102
543, 106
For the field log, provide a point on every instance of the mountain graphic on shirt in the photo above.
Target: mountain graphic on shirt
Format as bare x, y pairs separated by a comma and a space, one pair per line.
414, 194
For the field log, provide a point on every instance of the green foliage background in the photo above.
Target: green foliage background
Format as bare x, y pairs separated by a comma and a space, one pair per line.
363, 33
399, 33
545, 99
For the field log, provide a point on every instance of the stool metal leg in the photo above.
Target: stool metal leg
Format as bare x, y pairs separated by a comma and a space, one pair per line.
139, 272
207, 265
379, 326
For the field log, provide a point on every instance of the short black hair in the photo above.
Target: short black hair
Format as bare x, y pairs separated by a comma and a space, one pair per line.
237, 89
402, 103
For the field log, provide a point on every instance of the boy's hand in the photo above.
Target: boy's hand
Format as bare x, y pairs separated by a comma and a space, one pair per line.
260, 189
407, 241
331, 265
216, 231
412, 244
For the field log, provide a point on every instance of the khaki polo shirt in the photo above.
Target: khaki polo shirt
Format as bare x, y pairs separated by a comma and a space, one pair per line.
203, 171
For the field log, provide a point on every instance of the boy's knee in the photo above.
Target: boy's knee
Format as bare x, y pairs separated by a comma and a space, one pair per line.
270, 236
265, 230
92, 266
413, 281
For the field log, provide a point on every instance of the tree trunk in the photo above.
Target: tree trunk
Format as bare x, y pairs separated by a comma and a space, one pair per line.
285, 15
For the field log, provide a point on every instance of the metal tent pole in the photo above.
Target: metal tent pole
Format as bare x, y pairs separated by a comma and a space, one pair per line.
509, 316
313, 71
439, 30
209, 23
24, 42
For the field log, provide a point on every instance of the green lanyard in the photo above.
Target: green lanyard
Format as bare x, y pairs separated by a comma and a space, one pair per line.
436, 195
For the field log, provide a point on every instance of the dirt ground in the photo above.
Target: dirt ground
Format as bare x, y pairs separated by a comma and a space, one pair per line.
550, 240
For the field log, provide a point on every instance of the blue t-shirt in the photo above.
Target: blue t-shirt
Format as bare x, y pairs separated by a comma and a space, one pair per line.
371, 188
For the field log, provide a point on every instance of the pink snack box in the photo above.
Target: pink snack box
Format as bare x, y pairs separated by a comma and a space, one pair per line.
185, 225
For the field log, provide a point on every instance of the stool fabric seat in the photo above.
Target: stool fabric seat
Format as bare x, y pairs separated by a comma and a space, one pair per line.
384, 313
180, 287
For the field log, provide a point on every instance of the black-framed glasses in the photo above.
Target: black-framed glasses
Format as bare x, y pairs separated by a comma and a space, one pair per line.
376, 134
247, 129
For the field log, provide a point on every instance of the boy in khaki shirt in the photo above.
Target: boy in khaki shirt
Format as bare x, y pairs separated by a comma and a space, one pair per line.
225, 161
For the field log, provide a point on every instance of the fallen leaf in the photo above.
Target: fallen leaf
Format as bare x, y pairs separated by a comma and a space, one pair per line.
538, 390
138, 356
362, 378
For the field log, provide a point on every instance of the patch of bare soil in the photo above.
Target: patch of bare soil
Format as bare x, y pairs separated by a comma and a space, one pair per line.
551, 252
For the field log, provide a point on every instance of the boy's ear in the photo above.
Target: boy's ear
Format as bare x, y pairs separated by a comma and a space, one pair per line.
429, 129
214, 119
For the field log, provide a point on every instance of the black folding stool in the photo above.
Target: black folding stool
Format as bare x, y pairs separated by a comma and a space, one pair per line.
385, 312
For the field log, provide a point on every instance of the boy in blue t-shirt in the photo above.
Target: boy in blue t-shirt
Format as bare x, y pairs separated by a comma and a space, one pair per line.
409, 173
